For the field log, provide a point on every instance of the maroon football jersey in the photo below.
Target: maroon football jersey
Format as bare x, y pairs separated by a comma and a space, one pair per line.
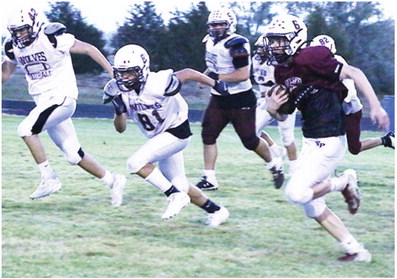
312, 78
312, 66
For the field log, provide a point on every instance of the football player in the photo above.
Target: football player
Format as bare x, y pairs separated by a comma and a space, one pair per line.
312, 77
263, 73
153, 101
43, 50
228, 59
353, 108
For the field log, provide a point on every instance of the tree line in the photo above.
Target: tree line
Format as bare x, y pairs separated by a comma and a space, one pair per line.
362, 35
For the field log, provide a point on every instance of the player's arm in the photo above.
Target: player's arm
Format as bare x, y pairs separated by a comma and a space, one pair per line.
7, 69
239, 51
80, 47
120, 122
378, 114
193, 75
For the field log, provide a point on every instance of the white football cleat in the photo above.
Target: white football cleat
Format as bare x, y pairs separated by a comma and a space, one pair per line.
218, 217
176, 202
361, 255
46, 187
117, 189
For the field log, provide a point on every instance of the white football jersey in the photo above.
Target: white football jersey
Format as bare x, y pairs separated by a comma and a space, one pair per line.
263, 74
349, 83
47, 69
158, 106
218, 60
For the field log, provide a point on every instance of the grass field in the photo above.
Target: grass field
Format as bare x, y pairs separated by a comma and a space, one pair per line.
76, 233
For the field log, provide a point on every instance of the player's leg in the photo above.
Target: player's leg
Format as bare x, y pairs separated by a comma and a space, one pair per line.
174, 170
214, 121
159, 149
65, 137
47, 114
354, 250
243, 121
287, 133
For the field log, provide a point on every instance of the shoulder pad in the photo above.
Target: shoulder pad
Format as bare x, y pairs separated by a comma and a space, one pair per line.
55, 28
205, 39
235, 41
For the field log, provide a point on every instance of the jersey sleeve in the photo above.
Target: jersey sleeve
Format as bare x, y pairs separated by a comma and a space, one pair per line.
321, 61
173, 86
65, 42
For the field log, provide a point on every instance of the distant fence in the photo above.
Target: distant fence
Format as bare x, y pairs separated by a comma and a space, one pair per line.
106, 111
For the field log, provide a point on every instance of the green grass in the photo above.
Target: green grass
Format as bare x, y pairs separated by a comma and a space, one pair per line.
76, 233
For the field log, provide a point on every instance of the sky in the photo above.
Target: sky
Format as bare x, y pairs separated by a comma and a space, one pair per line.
106, 15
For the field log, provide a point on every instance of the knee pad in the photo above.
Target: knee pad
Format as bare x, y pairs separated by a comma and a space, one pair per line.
315, 208
298, 195
287, 138
135, 163
74, 157
354, 148
72, 151
24, 129
251, 143
208, 139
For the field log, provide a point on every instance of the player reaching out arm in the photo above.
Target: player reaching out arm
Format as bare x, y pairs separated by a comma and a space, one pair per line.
43, 50
153, 101
352, 104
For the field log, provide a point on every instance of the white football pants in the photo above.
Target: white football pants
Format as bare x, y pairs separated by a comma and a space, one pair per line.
317, 161
167, 150
285, 128
54, 116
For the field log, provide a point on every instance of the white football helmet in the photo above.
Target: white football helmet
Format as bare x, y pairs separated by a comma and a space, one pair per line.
324, 40
25, 17
131, 67
289, 28
225, 16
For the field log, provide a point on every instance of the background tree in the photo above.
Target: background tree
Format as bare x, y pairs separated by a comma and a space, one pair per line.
146, 28
66, 13
186, 30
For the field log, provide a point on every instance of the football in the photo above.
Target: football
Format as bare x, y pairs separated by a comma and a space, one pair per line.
280, 89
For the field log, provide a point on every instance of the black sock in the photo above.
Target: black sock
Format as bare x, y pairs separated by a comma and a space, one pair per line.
210, 207
171, 190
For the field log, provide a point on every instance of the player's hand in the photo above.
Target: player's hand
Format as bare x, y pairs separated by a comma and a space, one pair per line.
118, 105
275, 97
221, 87
379, 116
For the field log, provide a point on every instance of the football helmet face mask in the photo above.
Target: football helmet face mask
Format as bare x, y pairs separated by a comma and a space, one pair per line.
221, 23
324, 40
261, 49
285, 36
24, 26
131, 67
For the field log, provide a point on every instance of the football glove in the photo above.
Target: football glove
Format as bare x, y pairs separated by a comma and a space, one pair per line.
221, 87
118, 105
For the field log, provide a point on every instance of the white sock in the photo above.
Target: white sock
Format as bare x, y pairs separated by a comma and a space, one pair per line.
350, 245
158, 180
209, 174
292, 166
46, 170
274, 162
338, 183
108, 178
